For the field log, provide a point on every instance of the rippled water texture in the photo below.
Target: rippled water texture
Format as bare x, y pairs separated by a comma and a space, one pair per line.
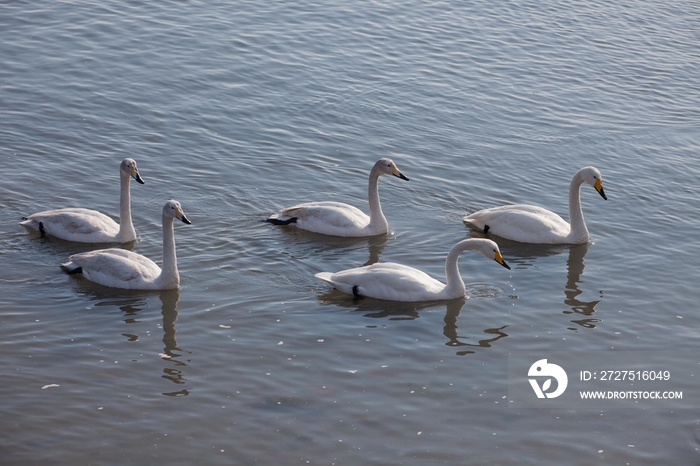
238, 109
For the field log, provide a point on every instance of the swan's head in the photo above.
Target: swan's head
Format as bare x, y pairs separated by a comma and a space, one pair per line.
174, 209
592, 176
490, 249
388, 167
128, 167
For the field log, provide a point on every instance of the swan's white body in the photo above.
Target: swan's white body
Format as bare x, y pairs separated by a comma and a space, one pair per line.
340, 219
90, 226
396, 282
119, 268
532, 224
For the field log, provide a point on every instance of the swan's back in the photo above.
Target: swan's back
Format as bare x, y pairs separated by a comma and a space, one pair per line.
74, 224
521, 222
329, 218
389, 281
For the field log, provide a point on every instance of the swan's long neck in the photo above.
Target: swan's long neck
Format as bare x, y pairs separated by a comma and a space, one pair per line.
169, 274
455, 286
126, 228
377, 220
579, 231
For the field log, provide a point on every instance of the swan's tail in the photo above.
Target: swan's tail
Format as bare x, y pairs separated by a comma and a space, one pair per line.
275, 219
70, 268
476, 223
28, 222
34, 225
325, 276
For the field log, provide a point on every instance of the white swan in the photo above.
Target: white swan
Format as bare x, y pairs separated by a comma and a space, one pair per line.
398, 282
339, 219
532, 224
91, 226
120, 268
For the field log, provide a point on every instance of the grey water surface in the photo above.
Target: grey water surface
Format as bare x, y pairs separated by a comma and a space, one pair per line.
237, 109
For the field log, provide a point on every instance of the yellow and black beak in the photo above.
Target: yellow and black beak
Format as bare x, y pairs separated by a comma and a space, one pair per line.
499, 259
397, 173
180, 215
599, 187
137, 177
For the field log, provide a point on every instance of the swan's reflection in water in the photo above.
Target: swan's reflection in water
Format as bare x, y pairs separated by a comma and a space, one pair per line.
524, 256
47, 244
396, 311
454, 308
334, 246
582, 309
131, 304
376, 245
171, 351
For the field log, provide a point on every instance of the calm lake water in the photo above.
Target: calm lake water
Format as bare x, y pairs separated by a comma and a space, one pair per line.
238, 109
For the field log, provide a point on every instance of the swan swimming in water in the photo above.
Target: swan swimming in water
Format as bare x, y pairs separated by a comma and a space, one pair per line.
340, 219
532, 224
120, 268
90, 226
396, 282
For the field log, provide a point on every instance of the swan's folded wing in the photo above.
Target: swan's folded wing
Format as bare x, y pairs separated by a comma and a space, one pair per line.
111, 266
329, 218
335, 214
